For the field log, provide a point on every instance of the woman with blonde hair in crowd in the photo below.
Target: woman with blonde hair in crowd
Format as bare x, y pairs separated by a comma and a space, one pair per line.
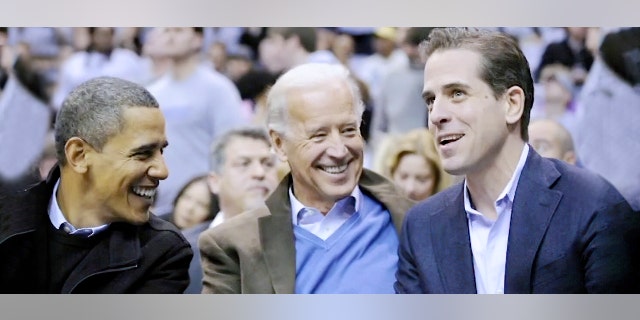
411, 161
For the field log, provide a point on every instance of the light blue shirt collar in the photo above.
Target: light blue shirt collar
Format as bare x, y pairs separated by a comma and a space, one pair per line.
323, 226
59, 221
296, 205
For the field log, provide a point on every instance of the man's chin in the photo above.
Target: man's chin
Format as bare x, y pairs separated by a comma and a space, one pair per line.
140, 218
253, 203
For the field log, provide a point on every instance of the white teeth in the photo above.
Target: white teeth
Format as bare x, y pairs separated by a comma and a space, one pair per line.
335, 169
145, 192
450, 138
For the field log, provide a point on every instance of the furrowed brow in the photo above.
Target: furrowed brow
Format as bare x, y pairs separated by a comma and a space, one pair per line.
148, 148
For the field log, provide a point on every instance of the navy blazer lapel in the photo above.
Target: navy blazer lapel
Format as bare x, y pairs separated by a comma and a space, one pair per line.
534, 205
452, 247
278, 244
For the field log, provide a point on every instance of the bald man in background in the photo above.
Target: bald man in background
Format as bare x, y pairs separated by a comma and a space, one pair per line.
552, 140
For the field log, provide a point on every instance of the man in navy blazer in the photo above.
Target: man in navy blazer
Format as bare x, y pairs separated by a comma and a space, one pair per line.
519, 223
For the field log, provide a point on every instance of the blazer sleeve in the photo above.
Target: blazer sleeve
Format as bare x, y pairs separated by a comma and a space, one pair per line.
611, 251
221, 268
407, 276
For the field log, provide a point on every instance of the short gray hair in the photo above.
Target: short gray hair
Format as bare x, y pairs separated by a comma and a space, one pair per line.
93, 111
219, 147
307, 76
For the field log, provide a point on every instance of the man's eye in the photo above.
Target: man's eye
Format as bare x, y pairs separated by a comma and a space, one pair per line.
269, 163
458, 94
350, 130
318, 136
143, 156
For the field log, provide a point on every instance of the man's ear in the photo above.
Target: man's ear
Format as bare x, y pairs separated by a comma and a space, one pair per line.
213, 180
570, 157
514, 105
278, 145
77, 153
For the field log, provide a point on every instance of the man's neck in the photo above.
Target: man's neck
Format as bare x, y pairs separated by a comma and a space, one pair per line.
71, 198
486, 184
184, 67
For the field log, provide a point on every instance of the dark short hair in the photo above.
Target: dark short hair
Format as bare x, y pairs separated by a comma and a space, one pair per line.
503, 63
306, 35
93, 111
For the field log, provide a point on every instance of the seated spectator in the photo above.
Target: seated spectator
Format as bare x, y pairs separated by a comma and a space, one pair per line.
557, 98
552, 140
193, 204
243, 171
413, 164
194, 208
609, 115
101, 58
571, 52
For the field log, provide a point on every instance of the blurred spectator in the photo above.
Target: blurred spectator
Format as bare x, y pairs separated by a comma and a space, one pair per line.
199, 105
552, 140
243, 171
229, 36
343, 48
45, 48
152, 49
238, 64
284, 48
400, 107
411, 161
192, 214
192, 205
609, 117
571, 52
101, 58
253, 87
217, 54
557, 100
386, 57
25, 119
251, 38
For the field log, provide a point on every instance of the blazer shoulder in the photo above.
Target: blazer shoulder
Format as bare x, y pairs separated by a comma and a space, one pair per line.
585, 184
443, 202
243, 225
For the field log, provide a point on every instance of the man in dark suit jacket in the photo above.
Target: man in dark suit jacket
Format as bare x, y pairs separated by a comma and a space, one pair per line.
330, 226
519, 223
87, 228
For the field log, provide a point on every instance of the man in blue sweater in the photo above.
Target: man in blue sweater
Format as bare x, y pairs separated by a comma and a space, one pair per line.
330, 226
